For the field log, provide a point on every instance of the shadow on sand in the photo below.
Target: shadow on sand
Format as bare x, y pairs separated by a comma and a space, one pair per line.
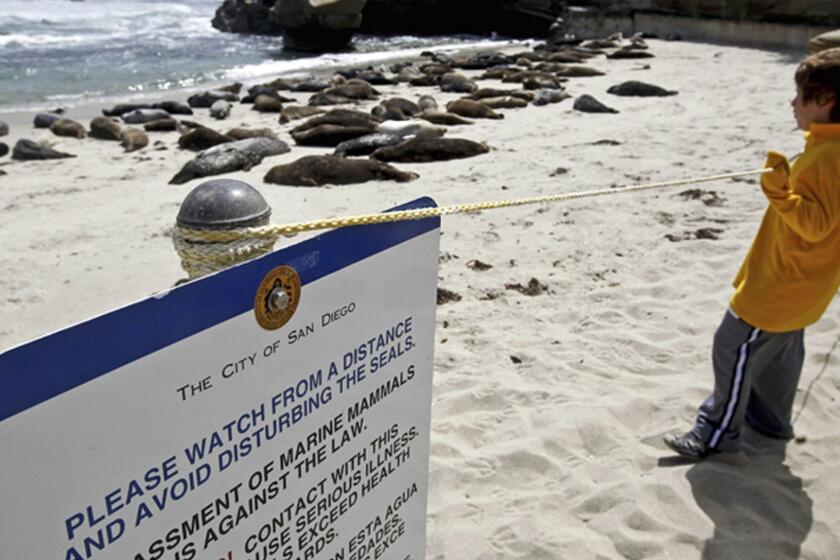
760, 510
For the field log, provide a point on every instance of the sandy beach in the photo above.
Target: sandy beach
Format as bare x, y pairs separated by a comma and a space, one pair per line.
548, 409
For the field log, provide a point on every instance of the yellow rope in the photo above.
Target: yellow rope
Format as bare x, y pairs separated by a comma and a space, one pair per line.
274, 231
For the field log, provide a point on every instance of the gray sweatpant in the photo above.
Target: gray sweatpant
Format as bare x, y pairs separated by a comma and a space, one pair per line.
756, 374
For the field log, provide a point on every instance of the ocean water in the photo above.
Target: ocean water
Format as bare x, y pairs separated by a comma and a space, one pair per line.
66, 52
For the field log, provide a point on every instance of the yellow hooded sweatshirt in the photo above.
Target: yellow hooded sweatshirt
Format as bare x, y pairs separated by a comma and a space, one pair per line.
792, 271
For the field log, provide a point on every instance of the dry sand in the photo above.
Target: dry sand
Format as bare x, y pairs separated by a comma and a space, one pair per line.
548, 410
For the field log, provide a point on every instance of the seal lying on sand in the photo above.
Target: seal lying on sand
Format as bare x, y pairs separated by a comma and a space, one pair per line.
492, 92
201, 138
4, 149
220, 109
267, 104
396, 108
547, 96
243, 133
440, 117
334, 127
161, 125
427, 103
105, 128
472, 109
206, 99
44, 120
506, 102
366, 145
295, 112
142, 116
354, 89
639, 89
134, 139
430, 149
67, 127
588, 104
411, 128
26, 150
311, 171
4, 129
241, 155
457, 83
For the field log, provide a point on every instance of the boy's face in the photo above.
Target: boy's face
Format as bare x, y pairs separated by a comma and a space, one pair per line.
814, 111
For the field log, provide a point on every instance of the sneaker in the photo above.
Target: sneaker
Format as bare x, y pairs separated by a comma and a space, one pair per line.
688, 445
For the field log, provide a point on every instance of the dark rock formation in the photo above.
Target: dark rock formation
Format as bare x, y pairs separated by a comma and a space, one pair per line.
317, 25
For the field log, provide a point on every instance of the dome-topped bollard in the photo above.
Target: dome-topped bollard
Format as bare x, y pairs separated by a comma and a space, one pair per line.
224, 206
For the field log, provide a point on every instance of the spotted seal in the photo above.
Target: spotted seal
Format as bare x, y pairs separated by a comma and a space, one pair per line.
241, 155
26, 150
366, 145
472, 109
588, 104
639, 89
421, 150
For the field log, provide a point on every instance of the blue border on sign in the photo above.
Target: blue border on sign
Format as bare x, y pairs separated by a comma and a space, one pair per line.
47, 367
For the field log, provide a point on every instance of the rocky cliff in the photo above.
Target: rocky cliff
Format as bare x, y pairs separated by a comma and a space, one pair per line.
509, 17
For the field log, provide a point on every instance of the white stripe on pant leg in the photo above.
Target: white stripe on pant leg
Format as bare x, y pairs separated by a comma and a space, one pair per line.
736, 389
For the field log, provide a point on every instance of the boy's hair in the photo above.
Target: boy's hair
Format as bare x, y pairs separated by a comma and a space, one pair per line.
818, 76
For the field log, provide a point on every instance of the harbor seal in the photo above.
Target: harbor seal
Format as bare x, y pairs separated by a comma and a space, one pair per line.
311, 86
142, 116
427, 103
173, 108
267, 104
419, 128
506, 102
548, 96
341, 117
324, 99
241, 155
68, 127
220, 109
440, 117
233, 88
243, 133
4, 129
311, 171
134, 139
493, 92
4, 149
375, 78
427, 80
366, 145
484, 60
329, 135
206, 99
294, 112
639, 89
576, 71
201, 138
396, 109
123, 108
354, 89
27, 150
420, 150
541, 82
105, 128
256, 91
472, 109
162, 125
588, 104
629, 53
457, 83
435, 69
45, 120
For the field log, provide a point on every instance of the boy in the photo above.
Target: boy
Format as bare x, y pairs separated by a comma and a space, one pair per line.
786, 282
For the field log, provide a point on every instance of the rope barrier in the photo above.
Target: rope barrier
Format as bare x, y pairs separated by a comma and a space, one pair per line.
203, 251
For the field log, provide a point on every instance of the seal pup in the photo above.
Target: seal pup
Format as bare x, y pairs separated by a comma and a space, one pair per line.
241, 155
472, 109
220, 109
26, 150
311, 171
366, 145
68, 127
420, 150
105, 128
134, 139
588, 104
142, 116
639, 89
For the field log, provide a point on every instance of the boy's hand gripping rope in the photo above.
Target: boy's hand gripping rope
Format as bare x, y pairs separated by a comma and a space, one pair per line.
205, 251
